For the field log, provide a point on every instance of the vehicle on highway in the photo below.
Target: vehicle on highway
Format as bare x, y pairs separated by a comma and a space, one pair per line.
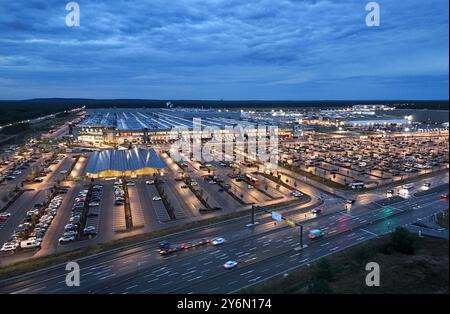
156, 198
317, 210
131, 183
63, 171
389, 193
408, 186
426, 186
296, 193
444, 196
66, 239
168, 250
94, 204
357, 185
150, 182
315, 234
218, 241
230, 264
4, 216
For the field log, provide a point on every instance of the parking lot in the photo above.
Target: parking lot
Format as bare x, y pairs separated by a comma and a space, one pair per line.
372, 160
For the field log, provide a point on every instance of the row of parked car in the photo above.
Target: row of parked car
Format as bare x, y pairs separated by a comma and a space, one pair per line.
119, 193
82, 200
31, 232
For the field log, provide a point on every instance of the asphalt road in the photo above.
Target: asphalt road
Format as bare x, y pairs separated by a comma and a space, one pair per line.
261, 251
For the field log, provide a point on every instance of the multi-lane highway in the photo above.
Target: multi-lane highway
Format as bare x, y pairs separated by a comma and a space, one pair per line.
261, 252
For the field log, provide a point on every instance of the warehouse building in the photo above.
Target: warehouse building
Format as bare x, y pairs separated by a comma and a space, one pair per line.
147, 125
127, 163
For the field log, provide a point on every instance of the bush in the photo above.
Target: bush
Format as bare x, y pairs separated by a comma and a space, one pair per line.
402, 241
362, 255
324, 270
319, 286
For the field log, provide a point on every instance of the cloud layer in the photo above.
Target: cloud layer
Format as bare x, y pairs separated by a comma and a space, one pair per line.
224, 49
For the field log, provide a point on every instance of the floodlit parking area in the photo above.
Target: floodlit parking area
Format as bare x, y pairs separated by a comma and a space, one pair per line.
151, 197
119, 221
373, 160
25, 230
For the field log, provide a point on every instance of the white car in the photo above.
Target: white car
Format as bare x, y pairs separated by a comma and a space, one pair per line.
66, 239
71, 233
230, 264
150, 182
249, 186
156, 198
218, 241
94, 204
8, 248
63, 172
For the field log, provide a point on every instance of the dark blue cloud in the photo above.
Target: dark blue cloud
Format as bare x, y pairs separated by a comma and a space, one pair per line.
229, 49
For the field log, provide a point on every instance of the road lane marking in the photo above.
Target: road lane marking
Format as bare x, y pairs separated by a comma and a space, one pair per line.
369, 232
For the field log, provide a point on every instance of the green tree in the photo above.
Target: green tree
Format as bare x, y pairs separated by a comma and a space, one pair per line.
402, 241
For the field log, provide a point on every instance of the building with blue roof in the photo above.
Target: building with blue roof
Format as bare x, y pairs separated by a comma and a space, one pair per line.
128, 163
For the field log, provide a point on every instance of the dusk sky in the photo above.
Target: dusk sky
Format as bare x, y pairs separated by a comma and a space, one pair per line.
224, 49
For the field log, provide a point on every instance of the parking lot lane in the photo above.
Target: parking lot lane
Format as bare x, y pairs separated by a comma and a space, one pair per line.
56, 229
137, 215
156, 206
105, 229
18, 212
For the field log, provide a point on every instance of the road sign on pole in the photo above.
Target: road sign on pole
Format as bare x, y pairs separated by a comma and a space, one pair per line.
276, 216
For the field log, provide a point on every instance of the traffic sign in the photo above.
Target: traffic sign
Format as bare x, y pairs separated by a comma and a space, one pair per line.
277, 216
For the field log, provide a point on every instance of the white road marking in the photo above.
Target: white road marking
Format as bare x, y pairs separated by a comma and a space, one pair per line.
369, 232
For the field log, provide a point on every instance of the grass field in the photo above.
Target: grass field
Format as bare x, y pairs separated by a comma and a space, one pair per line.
425, 271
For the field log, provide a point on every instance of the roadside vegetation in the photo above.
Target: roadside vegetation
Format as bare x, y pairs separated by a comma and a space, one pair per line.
408, 265
442, 219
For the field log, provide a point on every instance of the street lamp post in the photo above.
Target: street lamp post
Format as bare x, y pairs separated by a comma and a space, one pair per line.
301, 236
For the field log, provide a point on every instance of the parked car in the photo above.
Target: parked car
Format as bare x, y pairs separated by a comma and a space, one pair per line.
90, 230
66, 239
